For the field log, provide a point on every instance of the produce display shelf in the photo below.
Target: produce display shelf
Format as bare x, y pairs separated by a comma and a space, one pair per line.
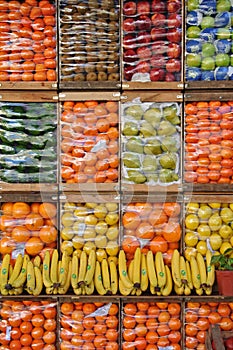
47, 86
29, 187
89, 85
136, 85
207, 187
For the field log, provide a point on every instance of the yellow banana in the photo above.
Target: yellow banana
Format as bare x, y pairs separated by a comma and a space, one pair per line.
130, 269
208, 290
31, 280
195, 273
144, 274
54, 267
106, 276
89, 289
5, 271
151, 269
202, 269
160, 269
199, 291
21, 279
189, 276
78, 291
183, 270
18, 291
167, 289
123, 289
210, 269
64, 270
138, 291
98, 279
179, 290
49, 290
16, 270
137, 268
74, 272
123, 274
113, 277
82, 269
46, 270
187, 290
38, 281
63, 289
175, 267
152, 289
37, 261
90, 267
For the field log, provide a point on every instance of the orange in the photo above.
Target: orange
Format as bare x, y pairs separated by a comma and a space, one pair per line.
38, 320
129, 322
191, 330
34, 221
172, 232
140, 330
48, 234
131, 220
223, 310
203, 324
111, 106
26, 327
128, 334
49, 337
7, 222
37, 332
226, 324
144, 231
20, 234
174, 336
174, 324
130, 244
174, 309
6, 208
112, 322
157, 217
130, 309
7, 245
89, 322
113, 310
47, 210
34, 246
20, 210
158, 244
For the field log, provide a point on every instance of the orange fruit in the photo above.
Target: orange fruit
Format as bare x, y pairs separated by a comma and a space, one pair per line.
34, 246
47, 210
20, 210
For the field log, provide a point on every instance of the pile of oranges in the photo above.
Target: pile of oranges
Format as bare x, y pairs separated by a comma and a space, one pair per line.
89, 326
27, 40
209, 142
89, 145
151, 326
28, 325
30, 227
200, 316
153, 226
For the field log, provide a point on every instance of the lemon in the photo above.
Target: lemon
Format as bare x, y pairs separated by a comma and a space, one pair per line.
204, 212
89, 234
67, 234
91, 205
77, 252
112, 218
201, 247
81, 211
215, 222
67, 219
224, 205
100, 211
203, 231
112, 206
224, 247
192, 207
88, 246
226, 215
112, 232
215, 241
215, 205
69, 206
101, 241
231, 241
101, 254
189, 251
78, 242
101, 227
112, 248
231, 206
91, 220
191, 221
225, 231
191, 239
67, 246
79, 228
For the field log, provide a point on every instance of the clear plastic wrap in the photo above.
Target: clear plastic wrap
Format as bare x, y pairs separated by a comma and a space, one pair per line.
208, 142
200, 316
28, 324
87, 325
208, 41
89, 142
151, 325
28, 150
151, 142
28, 41
27, 228
152, 41
89, 41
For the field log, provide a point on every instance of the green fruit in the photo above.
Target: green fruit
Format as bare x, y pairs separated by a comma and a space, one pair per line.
225, 231
166, 128
215, 222
153, 147
130, 129
204, 212
222, 60
223, 33
166, 175
170, 114
208, 50
191, 239
226, 215
208, 63
169, 144
152, 177
135, 111
136, 177
203, 231
193, 5
135, 145
191, 222
168, 161
131, 160
215, 241
193, 32
223, 5
207, 22
146, 129
153, 116
149, 163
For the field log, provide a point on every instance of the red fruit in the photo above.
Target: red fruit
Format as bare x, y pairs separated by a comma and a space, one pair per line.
143, 67
129, 25
174, 35
170, 77
129, 71
173, 65
229, 343
158, 6
159, 48
158, 20
144, 52
129, 41
129, 8
174, 21
158, 34
130, 56
143, 22
173, 6
173, 50
158, 61
143, 37
143, 8
157, 74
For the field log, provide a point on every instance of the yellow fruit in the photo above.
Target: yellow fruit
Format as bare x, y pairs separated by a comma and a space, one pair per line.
81, 211
112, 248
101, 227
67, 246
100, 241
112, 232
215, 222
112, 218
91, 205
231, 241
101, 254
78, 242
91, 220
113, 258
204, 212
203, 231
67, 234
88, 246
100, 211
191, 239
224, 247
111, 206
67, 219
225, 231
231, 206
77, 252
191, 222
201, 247
69, 206
189, 251
215, 205
192, 207
215, 241
89, 234
226, 215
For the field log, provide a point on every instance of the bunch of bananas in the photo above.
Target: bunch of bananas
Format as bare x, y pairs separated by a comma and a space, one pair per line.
25, 275
195, 275
143, 272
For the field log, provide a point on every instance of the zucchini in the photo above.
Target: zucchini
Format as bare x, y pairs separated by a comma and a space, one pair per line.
4, 149
13, 176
